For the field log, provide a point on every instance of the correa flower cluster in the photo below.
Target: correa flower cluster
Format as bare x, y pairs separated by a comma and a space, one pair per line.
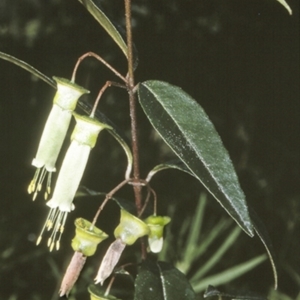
83, 139
87, 238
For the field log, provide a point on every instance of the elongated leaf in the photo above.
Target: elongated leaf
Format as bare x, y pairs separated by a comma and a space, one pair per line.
217, 256
28, 68
112, 29
173, 164
261, 231
161, 281
229, 274
211, 291
287, 7
186, 128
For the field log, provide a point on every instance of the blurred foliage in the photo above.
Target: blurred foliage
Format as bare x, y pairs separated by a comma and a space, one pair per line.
239, 59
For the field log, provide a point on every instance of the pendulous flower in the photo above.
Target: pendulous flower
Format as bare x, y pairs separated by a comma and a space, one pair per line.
55, 130
87, 237
83, 139
156, 225
127, 232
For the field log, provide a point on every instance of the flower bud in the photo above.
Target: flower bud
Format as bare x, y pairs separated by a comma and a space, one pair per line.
156, 225
73, 271
87, 237
130, 228
110, 260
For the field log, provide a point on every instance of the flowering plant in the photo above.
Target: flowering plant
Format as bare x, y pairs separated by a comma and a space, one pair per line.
183, 125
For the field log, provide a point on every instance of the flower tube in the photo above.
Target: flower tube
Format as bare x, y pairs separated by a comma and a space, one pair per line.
83, 139
156, 225
87, 237
55, 130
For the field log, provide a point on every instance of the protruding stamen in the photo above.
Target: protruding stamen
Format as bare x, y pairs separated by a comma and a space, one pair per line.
43, 229
31, 187
48, 186
52, 246
36, 183
56, 220
38, 240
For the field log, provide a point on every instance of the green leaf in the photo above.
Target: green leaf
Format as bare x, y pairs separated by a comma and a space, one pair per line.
229, 274
186, 128
161, 281
28, 68
261, 231
211, 291
173, 164
106, 23
283, 2
217, 256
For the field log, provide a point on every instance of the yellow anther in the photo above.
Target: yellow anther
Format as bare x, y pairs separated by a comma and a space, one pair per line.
39, 240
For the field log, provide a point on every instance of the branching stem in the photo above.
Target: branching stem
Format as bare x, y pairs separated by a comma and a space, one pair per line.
98, 57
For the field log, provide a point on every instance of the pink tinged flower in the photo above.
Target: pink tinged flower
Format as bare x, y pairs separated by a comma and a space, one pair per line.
127, 232
83, 139
55, 130
110, 260
72, 273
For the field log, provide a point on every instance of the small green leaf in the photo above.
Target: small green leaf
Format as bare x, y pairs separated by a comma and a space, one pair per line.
186, 128
28, 68
106, 23
173, 164
261, 231
283, 2
161, 281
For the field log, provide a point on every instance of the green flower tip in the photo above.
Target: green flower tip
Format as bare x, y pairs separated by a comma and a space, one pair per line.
68, 93
87, 237
130, 228
156, 225
87, 130
96, 294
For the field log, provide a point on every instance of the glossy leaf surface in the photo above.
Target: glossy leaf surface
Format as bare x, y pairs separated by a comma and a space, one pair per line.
161, 281
186, 128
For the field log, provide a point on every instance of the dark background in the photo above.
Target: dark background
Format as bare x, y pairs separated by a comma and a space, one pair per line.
239, 59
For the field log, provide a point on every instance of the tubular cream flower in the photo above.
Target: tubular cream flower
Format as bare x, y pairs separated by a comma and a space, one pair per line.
156, 225
83, 139
54, 133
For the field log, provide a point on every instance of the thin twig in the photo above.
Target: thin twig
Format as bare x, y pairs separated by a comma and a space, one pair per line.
98, 57
102, 90
108, 196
